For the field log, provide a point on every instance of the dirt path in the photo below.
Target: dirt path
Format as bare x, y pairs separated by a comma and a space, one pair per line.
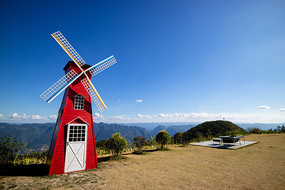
260, 166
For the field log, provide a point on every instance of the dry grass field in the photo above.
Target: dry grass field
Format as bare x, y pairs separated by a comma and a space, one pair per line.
259, 166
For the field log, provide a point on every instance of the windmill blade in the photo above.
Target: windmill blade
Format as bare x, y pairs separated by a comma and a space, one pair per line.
59, 86
62, 41
94, 94
99, 67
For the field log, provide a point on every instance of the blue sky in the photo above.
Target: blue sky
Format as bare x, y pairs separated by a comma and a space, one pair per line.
178, 61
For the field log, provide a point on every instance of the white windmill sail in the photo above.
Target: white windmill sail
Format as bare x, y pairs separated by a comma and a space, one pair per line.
94, 95
101, 66
59, 86
71, 76
62, 41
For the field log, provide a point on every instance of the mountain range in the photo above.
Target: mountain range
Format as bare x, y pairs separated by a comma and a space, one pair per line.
171, 129
38, 136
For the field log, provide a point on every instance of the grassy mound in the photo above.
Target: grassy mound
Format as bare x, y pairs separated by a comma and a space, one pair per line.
208, 130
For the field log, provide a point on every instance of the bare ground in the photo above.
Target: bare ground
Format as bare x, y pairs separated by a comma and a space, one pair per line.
260, 166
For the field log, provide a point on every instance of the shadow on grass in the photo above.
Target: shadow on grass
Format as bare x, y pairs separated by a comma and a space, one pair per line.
231, 146
110, 158
143, 152
24, 170
226, 146
43, 169
152, 150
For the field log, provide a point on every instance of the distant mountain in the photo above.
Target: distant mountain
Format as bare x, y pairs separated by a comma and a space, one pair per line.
151, 125
33, 135
171, 130
104, 131
38, 136
263, 126
156, 130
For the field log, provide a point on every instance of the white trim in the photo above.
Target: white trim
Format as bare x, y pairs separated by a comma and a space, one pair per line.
69, 145
69, 123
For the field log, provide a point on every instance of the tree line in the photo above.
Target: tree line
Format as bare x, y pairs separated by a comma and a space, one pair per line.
115, 145
257, 130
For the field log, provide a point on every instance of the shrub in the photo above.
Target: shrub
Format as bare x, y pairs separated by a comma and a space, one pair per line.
280, 129
9, 147
139, 142
31, 158
151, 142
116, 144
178, 138
255, 130
163, 138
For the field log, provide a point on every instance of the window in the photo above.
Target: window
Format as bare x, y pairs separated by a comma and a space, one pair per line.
77, 133
78, 102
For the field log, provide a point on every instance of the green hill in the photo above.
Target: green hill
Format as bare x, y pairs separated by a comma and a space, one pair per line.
212, 129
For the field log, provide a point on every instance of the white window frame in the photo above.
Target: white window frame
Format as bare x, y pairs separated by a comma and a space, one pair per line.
68, 132
78, 103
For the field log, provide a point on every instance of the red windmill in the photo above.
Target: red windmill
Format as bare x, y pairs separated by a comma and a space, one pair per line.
73, 146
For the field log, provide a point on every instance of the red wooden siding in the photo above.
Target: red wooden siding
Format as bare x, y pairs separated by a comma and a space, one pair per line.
56, 157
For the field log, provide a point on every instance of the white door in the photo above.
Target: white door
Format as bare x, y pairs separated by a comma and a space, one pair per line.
75, 156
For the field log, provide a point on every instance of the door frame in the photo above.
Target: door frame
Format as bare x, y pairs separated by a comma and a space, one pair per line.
67, 144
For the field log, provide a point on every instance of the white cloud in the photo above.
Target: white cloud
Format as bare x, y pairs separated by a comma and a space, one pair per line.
25, 117
36, 117
52, 117
139, 101
98, 116
14, 116
281, 110
186, 115
201, 117
1, 115
261, 117
120, 117
263, 107
143, 116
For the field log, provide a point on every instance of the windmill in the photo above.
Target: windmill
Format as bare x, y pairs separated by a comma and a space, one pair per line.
73, 146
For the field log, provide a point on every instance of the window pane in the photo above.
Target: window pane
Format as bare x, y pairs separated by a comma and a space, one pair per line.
78, 102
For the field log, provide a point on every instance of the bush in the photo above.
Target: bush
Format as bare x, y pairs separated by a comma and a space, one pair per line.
163, 138
178, 137
116, 144
31, 158
139, 142
280, 129
255, 130
151, 142
9, 147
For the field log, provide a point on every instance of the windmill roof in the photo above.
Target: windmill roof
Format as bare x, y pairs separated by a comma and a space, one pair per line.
85, 66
